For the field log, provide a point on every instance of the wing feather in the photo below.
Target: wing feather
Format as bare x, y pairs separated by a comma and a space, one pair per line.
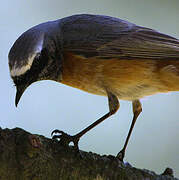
107, 37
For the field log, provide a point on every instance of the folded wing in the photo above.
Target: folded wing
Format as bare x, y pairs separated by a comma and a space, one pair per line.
107, 37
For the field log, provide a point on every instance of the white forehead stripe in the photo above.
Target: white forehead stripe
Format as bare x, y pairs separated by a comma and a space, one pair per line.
39, 45
17, 71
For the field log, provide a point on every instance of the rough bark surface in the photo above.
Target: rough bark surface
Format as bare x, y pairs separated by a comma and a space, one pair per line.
24, 156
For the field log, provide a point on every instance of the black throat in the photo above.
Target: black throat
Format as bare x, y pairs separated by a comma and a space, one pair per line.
44, 67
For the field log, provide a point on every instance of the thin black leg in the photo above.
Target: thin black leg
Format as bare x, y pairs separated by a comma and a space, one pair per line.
65, 139
137, 109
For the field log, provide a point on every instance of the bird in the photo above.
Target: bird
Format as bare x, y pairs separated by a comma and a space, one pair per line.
99, 54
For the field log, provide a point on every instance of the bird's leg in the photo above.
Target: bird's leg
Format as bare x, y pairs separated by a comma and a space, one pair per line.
137, 109
65, 139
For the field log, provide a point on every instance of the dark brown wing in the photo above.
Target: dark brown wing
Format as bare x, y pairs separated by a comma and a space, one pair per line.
107, 37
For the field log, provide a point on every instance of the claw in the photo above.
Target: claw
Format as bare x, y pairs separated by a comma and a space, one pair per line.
56, 137
65, 139
56, 131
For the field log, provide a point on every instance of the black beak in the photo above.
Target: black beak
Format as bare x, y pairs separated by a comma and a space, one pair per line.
19, 92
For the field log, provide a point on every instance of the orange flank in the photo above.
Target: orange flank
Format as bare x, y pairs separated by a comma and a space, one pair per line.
127, 79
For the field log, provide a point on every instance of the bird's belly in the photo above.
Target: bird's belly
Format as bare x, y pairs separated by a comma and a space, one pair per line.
122, 91
84, 85
127, 79
135, 92
133, 79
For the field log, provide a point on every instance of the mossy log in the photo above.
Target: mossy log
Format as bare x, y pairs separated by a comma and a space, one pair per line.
24, 156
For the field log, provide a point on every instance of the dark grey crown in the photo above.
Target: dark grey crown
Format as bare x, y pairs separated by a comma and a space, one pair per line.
29, 45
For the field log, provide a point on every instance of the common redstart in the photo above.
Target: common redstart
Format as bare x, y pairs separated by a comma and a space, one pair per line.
98, 54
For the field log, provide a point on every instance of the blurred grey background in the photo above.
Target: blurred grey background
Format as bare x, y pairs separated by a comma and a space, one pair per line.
47, 105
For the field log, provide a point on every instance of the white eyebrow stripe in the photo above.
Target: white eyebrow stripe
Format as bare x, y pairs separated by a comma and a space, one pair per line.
17, 71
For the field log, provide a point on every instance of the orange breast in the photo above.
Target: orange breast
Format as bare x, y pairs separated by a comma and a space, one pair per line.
128, 79
82, 73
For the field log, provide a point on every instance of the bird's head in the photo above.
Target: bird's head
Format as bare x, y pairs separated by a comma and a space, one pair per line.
33, 57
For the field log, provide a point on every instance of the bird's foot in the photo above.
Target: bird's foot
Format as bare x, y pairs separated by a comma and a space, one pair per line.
121, 155
65, 139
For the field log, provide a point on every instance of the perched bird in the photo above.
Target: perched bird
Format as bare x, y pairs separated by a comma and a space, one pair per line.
98, 54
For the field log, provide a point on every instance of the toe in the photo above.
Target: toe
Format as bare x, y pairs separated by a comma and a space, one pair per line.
56, 131
56, 137
120, 155
65, 138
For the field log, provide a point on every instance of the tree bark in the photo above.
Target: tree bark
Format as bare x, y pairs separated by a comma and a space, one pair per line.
24, 156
